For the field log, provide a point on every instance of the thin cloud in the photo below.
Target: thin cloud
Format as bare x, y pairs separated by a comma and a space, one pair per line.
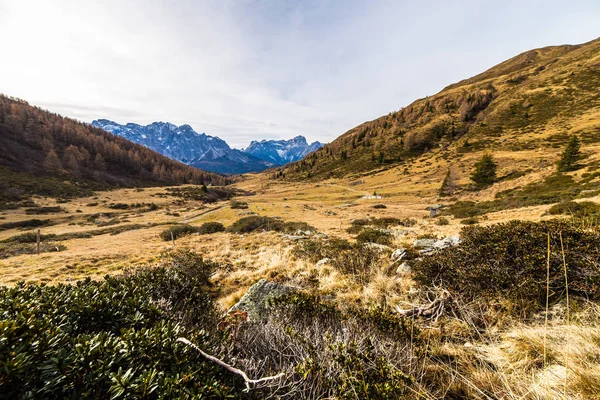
246, 70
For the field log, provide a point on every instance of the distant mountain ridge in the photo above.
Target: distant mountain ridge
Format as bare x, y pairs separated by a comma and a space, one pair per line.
210, 153
281, 152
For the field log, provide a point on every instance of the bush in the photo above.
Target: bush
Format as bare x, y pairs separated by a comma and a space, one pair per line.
333, 353
470, 221
575, 209
255, 223
114, 338
177, 231
370, 235
441, 221
507, 261
258, 223
238, 205
26, 224
211, 227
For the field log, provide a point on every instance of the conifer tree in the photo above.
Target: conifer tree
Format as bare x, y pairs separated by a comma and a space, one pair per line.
52, 163
569, 155
485, 171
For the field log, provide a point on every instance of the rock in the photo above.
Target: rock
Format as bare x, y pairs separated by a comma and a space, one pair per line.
447, 242
424, 243
398, 254
322, 262
258, 300
404, 269
429, 246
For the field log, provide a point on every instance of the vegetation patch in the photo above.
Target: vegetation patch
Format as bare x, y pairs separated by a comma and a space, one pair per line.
211, 227
507, 261
370, 235
203, 193
383, 223
125, 206
353, 259
44, 210
16, 249
26, 224
177, 231
556, 188
257, 223
114, 338
238, 205
576, 209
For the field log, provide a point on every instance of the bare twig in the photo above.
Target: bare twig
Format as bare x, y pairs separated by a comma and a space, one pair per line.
229, 367
433, 310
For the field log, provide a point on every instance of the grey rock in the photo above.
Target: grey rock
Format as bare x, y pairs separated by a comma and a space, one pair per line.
322, 262
404, 269
398, 254
260, 298
424, 243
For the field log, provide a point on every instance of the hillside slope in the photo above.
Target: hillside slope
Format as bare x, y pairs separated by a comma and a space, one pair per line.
533, 100
44, 153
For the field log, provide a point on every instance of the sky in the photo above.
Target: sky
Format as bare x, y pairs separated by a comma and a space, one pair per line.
249, 70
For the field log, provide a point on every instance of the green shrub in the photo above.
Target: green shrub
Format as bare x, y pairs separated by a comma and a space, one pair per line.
555, 188
385, 222
470, 221
238, 205
441, 221
211, 227
26, 224
575, 209
369, 235
177, 231
114, 338
257, 223
507, 261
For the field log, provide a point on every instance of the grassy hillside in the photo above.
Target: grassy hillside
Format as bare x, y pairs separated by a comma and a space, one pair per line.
46, 154
533, 100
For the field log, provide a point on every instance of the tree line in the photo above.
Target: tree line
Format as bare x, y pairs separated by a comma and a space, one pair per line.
37, 141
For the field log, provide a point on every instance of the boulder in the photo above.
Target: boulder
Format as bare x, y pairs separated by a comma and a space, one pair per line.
398, 254
404, 269
429, 246
424, 243
258, 300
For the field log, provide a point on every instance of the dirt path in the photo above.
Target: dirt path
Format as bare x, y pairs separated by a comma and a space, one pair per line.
347, 188
202, 214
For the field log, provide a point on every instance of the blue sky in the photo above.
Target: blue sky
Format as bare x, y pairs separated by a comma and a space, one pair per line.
245, 70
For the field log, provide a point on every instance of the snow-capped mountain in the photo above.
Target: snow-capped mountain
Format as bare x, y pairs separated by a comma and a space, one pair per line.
281, 152
210, 153
184, 144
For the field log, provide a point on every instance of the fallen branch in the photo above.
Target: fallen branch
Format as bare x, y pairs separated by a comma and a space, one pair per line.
229, 367
433, 310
